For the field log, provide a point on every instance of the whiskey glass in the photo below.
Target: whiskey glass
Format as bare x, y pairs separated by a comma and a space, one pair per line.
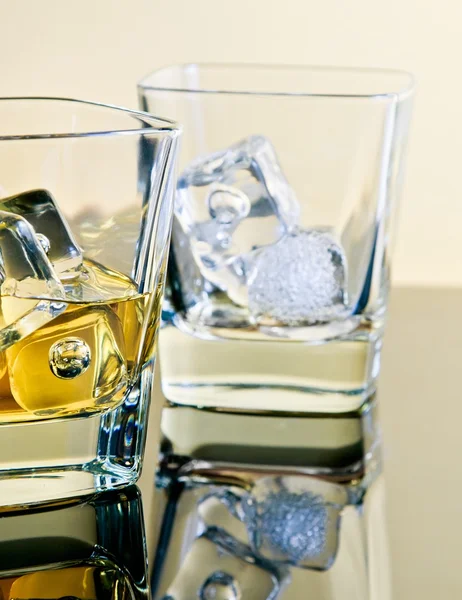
85, 218
277, 288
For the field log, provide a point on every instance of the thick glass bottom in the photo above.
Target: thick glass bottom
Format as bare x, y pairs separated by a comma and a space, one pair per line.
293, 376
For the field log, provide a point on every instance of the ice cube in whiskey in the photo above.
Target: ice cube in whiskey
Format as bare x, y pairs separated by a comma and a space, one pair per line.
76, 362
77, 354
26, 273
85, 359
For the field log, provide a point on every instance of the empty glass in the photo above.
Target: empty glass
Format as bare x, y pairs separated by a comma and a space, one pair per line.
85, 215
281, 237
277, 289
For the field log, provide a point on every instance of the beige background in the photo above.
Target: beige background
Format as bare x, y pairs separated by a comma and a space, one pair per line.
98, 49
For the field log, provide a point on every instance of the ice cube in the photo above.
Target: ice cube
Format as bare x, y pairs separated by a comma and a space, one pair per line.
251, 164
30, 292
228, 204
299, 280
82, 360
40, 209
77, 362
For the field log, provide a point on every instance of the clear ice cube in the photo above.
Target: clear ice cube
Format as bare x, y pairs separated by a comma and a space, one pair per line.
82, 359
250, 165
31, 294
84, 280
39, 208
79, 361
298, 280
231, 202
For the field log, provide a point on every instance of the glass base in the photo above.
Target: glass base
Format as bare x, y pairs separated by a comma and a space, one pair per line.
290, 376
55, 459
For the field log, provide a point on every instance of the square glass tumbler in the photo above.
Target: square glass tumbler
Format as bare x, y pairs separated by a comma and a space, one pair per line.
85, 218
281, 233
277, 289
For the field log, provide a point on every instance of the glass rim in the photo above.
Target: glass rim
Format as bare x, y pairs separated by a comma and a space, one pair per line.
159, 124
401, 93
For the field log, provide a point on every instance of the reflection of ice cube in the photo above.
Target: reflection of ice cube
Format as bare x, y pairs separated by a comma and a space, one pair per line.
299, 280
31, 293
286, 520
294, 524
216, 566
231, 202
40, 209
294, 520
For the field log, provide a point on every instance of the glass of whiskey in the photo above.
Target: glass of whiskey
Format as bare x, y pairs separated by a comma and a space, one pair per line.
277, 290
86, 194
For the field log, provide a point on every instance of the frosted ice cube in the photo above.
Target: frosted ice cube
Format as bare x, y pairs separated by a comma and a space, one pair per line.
40, 209
299, 280
30, 292
231, 202
98, 283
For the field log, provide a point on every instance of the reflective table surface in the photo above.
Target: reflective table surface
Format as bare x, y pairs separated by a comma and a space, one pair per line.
421, 414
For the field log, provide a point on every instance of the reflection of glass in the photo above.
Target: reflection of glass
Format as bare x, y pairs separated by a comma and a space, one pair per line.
281, 232
298, 496
273, 531
90, 551
85, 209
